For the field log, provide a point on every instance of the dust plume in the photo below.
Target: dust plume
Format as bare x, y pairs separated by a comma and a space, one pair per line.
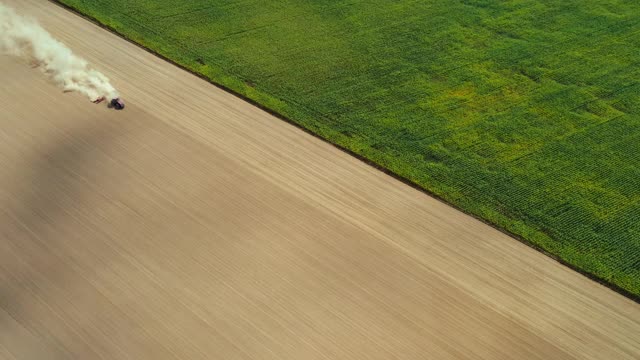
24, 37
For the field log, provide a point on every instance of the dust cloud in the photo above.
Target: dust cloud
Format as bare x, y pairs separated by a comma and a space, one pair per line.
25, 38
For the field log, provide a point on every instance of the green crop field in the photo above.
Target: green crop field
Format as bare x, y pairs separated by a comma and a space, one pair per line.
524, 113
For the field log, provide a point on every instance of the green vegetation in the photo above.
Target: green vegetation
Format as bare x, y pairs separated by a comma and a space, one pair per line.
525, 113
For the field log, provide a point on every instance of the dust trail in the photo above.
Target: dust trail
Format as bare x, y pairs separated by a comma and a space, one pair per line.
24, 37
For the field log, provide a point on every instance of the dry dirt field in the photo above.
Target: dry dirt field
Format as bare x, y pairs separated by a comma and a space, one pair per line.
192, 225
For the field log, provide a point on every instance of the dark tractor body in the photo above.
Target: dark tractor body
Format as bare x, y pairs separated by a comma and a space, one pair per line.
117, 104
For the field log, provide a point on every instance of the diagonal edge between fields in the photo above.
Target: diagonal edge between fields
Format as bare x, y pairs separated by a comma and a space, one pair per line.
618, 289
